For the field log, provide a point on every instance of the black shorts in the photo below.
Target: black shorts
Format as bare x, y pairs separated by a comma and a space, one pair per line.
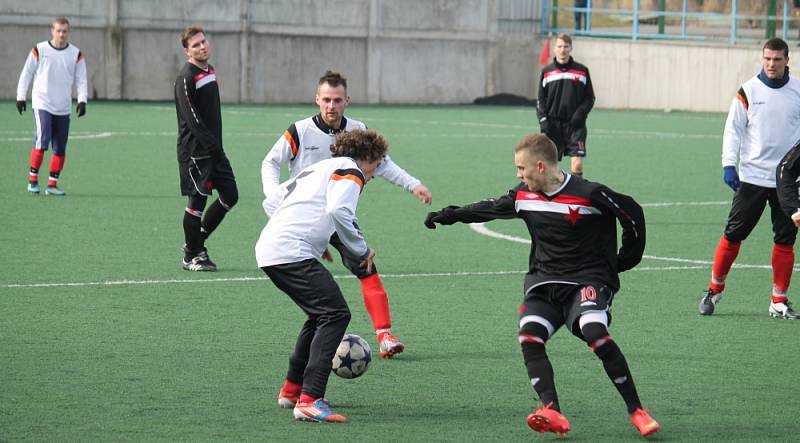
748, 205
569, 141
199, 177
563, 304
310, 285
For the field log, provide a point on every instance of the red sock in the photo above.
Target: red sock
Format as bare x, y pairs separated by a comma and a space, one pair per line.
782, 264
291, 387
56, 165
376, 301
723, 260
37, 155
305, 398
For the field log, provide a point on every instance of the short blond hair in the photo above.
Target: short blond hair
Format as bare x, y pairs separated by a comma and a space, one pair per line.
538, 147
60, 21
565, 38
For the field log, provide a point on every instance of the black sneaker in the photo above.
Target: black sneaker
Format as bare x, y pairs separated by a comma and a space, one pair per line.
709, 300
199, 262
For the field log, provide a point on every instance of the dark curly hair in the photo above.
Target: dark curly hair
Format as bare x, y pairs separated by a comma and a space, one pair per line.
361, 144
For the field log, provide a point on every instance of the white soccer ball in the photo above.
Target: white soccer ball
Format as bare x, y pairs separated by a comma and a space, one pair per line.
352, 358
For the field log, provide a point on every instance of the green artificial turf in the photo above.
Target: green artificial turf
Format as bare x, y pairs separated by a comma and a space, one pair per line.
103, 337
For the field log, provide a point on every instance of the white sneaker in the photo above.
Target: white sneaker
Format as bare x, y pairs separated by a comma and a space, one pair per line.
783, 310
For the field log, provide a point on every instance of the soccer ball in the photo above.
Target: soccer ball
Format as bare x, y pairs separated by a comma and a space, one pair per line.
352, 358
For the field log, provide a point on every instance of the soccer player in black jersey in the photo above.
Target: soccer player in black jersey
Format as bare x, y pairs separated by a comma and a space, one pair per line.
565, 98
201, 159
574, 267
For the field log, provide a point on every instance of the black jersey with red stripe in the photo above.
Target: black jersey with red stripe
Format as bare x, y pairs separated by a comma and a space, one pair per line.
573, 230
199, 116
564, 90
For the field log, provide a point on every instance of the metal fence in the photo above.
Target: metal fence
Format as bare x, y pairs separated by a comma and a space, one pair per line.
659, 19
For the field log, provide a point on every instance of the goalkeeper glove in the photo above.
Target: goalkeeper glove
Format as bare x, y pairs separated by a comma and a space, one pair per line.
21, 106
446, 216
730, 177
81, 109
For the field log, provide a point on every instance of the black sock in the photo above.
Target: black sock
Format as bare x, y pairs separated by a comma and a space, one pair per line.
617, 370
214, 215
191, 232
540, 372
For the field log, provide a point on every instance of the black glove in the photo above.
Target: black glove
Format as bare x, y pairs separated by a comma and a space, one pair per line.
578, 120
81, 109
21, 106
544, 125
445, 216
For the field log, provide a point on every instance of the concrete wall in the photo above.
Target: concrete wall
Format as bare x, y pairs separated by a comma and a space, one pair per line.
666, 75
273, 51
410, 51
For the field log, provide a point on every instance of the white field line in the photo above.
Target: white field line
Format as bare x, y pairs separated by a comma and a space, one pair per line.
249, 279
481, 228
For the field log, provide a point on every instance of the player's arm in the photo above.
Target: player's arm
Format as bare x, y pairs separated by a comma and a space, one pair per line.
787, 177
588, 102
735, 125
396, 175
25, 77
631, 218
344, 188
81, 82
482, 211
541, 104
185, 99
284, 150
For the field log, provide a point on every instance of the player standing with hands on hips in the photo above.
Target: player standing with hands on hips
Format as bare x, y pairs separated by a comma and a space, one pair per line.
763, 124
305, 211
53, 66
565, 98
202, 162
306, 142
574, 267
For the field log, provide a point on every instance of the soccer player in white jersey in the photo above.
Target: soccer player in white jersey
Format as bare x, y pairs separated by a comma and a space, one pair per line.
305, 211
763, 124
53, 66
306, 142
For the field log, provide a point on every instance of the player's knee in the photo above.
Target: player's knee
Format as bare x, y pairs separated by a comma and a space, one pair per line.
532, 333
194, 212
229, 200
596, 335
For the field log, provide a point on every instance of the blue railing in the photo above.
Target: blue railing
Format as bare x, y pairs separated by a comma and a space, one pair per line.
650, 24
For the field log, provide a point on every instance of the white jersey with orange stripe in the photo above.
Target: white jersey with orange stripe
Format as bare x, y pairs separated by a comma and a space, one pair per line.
53, 71
307, 209
308, 141
762, 126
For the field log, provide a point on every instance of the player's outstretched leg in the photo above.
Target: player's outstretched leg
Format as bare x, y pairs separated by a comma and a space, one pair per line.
376, 301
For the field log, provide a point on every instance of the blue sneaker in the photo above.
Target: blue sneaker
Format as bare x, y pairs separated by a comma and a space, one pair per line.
33, 188
54, 190
319, 411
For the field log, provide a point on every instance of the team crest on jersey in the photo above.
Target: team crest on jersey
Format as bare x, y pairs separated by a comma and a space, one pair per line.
573, 215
